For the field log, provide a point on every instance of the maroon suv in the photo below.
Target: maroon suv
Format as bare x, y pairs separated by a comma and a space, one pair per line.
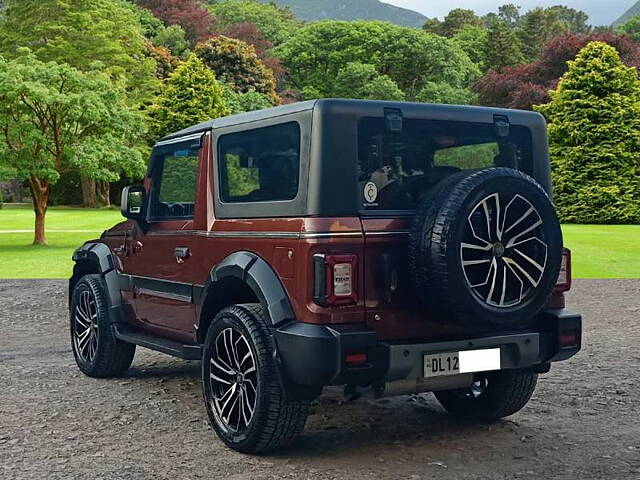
392, 248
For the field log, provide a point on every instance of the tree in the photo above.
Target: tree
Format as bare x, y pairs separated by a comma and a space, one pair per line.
360, 80
80, 33
55, 119
574, 20
276, 23
191, 15
456, 20
166, 63
248, 32
473, 41
174, 38
236, 64
319, 51
444, 93
509, 14
537, 27
190, 95
525, 85
503, 48
594, 133
244, 102
150, 23
631, 27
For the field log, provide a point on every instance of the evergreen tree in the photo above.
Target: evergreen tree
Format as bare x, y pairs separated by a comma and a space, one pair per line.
191, 95
594, 133
504, 49
537, 27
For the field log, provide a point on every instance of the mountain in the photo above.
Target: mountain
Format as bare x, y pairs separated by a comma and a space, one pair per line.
353, 10
634, 10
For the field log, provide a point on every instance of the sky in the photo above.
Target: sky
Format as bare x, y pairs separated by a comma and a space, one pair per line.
601, 12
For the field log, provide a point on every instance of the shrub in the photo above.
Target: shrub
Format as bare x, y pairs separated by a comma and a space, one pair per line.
594, 133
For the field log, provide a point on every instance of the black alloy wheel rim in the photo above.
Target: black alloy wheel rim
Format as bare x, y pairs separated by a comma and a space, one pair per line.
233, 378
504, 250
85, 331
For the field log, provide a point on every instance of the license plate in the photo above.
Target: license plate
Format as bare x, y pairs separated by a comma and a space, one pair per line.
467, 361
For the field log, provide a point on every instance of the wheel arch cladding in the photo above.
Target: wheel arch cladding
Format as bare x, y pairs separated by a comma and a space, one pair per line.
97, 258
254, 272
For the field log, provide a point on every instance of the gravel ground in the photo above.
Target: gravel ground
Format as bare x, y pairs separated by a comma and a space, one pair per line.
583, 421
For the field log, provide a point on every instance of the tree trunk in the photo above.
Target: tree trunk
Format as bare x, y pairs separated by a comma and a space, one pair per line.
89, 198
102, 191
40, 198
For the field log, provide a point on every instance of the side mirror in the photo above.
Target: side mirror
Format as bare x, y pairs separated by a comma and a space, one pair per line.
132, 204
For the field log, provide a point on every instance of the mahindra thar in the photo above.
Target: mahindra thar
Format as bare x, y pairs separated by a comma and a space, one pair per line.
390, 248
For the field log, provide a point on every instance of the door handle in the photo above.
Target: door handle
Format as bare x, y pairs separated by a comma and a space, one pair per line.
181, 254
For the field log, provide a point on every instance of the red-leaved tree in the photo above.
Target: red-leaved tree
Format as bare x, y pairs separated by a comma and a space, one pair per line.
191, 15
525, 85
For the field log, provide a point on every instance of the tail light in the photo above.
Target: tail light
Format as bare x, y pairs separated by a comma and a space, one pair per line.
335, 279
563, 283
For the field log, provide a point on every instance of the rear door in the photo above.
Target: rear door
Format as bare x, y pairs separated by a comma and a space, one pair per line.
399, 164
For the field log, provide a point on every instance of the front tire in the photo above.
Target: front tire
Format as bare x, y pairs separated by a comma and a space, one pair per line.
98, 353
245, 401
491, 397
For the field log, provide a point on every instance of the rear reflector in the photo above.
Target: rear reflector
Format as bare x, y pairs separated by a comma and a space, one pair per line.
569, 338
563, 284
355, 359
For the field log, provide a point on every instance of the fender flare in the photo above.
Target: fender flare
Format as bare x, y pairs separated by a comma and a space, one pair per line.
101, 259
261, 279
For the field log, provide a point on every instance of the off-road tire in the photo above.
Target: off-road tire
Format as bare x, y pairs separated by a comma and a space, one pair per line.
276, 421
506, 392
435, 249
112, 357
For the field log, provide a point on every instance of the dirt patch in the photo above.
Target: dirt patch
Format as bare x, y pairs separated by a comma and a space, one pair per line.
583, 421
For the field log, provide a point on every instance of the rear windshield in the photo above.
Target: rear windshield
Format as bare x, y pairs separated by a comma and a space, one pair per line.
399, 164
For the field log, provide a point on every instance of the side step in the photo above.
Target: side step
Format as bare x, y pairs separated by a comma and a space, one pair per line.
175, 349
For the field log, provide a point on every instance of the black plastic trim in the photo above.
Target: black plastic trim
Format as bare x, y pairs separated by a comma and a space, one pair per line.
175, 349
260, 277
100, 256
313, 354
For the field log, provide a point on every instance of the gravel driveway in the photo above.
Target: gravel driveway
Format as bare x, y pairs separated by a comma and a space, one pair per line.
583, 422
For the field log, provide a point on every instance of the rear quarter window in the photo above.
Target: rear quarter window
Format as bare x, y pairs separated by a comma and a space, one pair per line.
260, 165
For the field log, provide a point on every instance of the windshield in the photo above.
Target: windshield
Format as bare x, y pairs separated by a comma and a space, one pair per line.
395, 168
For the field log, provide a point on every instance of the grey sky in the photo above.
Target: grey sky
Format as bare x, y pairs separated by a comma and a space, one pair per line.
600, 11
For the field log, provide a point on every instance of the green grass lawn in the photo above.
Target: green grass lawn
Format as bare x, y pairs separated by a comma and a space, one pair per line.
599, 251
67, 228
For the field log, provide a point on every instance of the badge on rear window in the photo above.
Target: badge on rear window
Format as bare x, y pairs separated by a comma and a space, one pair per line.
370, 192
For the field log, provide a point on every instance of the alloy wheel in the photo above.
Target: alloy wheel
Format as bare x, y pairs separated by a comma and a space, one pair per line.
85, 334
503, 252
234, 380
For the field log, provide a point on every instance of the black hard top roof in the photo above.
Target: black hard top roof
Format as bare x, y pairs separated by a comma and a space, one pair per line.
332, 103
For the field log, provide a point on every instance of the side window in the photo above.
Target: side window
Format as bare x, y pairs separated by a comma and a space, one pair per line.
174, 182
260, 165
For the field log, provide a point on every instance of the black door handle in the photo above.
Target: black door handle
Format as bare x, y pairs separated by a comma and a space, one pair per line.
181, 253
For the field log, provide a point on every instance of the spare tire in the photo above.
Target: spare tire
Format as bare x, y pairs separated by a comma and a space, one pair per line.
485, 248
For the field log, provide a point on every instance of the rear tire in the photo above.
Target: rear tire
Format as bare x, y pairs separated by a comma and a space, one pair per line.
238, 367
491, 397
98, 353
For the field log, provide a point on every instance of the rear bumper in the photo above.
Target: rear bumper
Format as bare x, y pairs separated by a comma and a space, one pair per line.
313, 355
